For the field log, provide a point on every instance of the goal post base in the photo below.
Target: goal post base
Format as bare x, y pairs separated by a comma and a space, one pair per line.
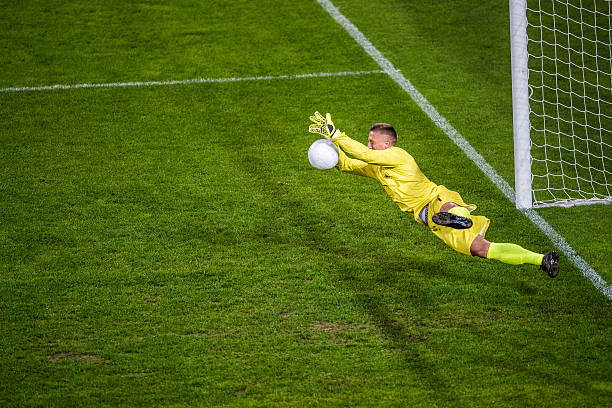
571, 203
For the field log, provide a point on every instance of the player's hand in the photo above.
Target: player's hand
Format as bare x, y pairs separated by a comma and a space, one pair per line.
323, 125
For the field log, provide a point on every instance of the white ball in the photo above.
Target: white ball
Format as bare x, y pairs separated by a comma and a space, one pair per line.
323, 154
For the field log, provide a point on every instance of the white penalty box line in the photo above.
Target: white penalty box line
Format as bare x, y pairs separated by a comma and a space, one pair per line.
189, 81
465, 146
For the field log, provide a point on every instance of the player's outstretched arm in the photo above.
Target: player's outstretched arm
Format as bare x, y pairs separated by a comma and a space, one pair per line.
389, 157
354, 166
323, 126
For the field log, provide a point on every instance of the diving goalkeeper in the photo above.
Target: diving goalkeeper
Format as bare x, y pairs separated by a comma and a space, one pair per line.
435, 206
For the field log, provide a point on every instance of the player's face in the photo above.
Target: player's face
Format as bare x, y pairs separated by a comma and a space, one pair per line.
376, 141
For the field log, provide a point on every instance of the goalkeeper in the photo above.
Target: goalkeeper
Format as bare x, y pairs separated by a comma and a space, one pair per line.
440, 209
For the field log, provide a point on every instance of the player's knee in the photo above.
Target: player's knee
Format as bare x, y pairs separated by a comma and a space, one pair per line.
447, 206
480, 247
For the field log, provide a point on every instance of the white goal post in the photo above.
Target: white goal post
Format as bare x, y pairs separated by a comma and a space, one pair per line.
562, 101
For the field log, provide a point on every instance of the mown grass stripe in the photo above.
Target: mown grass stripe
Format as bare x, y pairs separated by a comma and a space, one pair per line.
557, 240
188, 81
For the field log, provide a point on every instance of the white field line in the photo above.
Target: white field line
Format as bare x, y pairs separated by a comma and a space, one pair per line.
557, 240
187, 81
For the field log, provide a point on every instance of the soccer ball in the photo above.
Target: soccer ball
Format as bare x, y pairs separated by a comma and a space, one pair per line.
323, 154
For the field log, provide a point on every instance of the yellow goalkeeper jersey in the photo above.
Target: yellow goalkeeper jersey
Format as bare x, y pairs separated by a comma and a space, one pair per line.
394, 168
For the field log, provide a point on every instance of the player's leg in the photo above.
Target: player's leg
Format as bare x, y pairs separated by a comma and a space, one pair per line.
515, 255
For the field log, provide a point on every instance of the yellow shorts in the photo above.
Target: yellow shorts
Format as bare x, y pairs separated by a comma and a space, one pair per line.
458, 239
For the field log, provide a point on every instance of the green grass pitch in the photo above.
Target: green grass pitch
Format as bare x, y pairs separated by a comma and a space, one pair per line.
171, 246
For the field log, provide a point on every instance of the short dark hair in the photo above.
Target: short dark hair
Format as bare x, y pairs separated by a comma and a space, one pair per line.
387, 130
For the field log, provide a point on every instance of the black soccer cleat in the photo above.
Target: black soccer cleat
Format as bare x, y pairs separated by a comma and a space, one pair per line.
455, 221
550, 264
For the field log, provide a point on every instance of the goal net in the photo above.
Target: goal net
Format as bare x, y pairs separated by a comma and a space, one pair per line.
562, 101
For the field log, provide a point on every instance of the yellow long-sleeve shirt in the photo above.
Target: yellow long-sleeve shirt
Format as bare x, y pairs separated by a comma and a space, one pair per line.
394, 168
404, 182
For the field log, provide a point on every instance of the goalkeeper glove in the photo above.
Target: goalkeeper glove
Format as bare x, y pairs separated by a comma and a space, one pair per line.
323, 125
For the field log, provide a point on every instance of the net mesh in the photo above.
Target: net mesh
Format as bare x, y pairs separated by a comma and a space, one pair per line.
570, 98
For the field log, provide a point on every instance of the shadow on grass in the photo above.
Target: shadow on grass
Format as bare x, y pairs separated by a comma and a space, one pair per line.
404, 336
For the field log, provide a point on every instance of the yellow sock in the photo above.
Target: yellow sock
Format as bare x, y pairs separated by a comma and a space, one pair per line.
513, 254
